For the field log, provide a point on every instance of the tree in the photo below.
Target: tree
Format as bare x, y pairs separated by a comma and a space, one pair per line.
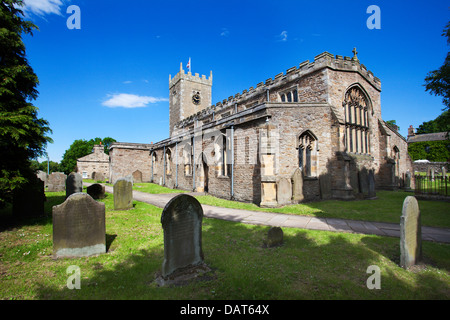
80, 148
440, 124
23, 136
438, 81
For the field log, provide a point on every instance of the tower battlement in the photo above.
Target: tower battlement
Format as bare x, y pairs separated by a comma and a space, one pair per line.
189, 77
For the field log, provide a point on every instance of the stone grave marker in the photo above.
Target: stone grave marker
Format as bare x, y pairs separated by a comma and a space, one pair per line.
98, 176
444, 172
363, 178
284, 191
74, 184
96, 191
371, 185
408, 181
181, 220
325, 186
137, 176
297, 186
410, 233
43, 176
79, 227
56, 182
274, 237
123, 194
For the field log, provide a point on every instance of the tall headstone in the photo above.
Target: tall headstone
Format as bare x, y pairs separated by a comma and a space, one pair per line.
410, 233
297, 186
56, 182
408, 181
74, 184
96, 191
444, 172
284, 191
43, 176
363, 181
371, 185
325, 186
123, 194
181, 220
79, 227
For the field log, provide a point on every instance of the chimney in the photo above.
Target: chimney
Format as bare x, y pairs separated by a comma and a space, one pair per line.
411, 131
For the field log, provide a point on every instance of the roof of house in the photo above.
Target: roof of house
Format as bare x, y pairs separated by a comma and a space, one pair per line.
428, 137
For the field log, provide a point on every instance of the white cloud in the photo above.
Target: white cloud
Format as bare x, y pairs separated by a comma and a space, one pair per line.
127, 82
283, 36
42, 7
225, 32
125, 100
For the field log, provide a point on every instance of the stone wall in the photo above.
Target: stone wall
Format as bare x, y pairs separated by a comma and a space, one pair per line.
436, 166
127, 158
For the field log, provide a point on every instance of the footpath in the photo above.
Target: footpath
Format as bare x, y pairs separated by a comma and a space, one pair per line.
295, 221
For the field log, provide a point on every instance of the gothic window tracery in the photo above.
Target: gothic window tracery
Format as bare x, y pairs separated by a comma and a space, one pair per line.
356, 111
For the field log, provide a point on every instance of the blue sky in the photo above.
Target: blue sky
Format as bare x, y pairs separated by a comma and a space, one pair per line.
110, 78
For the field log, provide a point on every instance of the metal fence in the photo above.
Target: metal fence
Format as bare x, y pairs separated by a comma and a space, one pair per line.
438, 185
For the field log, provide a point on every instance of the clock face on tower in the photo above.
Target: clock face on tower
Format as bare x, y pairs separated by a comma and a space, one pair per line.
196, 99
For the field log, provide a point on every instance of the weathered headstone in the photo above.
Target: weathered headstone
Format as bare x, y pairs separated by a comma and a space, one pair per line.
98, 176
444, 172
325, 186
79, 227
363, 182
284, 191
410, 233
56, 182
43, 176
28, 200
408, 181
297, 186
123, 194
96, 191
74, 184
274, 237
137, 176
432, 174
181, 220
371, 185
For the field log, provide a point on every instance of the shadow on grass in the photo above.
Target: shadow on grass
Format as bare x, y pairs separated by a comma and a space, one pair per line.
309, 265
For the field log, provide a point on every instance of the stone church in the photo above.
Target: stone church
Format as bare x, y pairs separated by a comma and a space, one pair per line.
313, 132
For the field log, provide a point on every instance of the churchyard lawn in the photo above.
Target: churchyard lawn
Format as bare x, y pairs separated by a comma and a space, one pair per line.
309, 265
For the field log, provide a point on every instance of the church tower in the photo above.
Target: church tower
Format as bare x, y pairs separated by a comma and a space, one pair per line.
189, 94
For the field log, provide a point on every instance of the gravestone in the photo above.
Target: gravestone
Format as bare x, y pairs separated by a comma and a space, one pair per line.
137, 176
444, 172
123, 194
432, 174
408, 181
43, 176
371, 185
96, 191
284, 191
274, 237
74, 184
410, 233
56, 182
79, 227
98, 176
181, 220
363, 182
325, 186
28, 200
297, 186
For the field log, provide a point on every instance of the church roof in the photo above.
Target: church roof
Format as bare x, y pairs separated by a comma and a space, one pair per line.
428, 137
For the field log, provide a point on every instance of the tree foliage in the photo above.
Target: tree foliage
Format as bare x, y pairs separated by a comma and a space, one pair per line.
438, 81
435, 151
80, 148
440, 124
23, 135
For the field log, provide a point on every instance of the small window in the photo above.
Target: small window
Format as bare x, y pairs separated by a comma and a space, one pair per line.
85, 175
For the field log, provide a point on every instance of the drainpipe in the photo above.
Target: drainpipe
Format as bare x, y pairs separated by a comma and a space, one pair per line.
232, 161
152, 162
268, 98
193, 162
164, 176
176, 167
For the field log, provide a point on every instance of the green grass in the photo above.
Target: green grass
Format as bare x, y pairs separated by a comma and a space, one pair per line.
154, 188
309, 265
